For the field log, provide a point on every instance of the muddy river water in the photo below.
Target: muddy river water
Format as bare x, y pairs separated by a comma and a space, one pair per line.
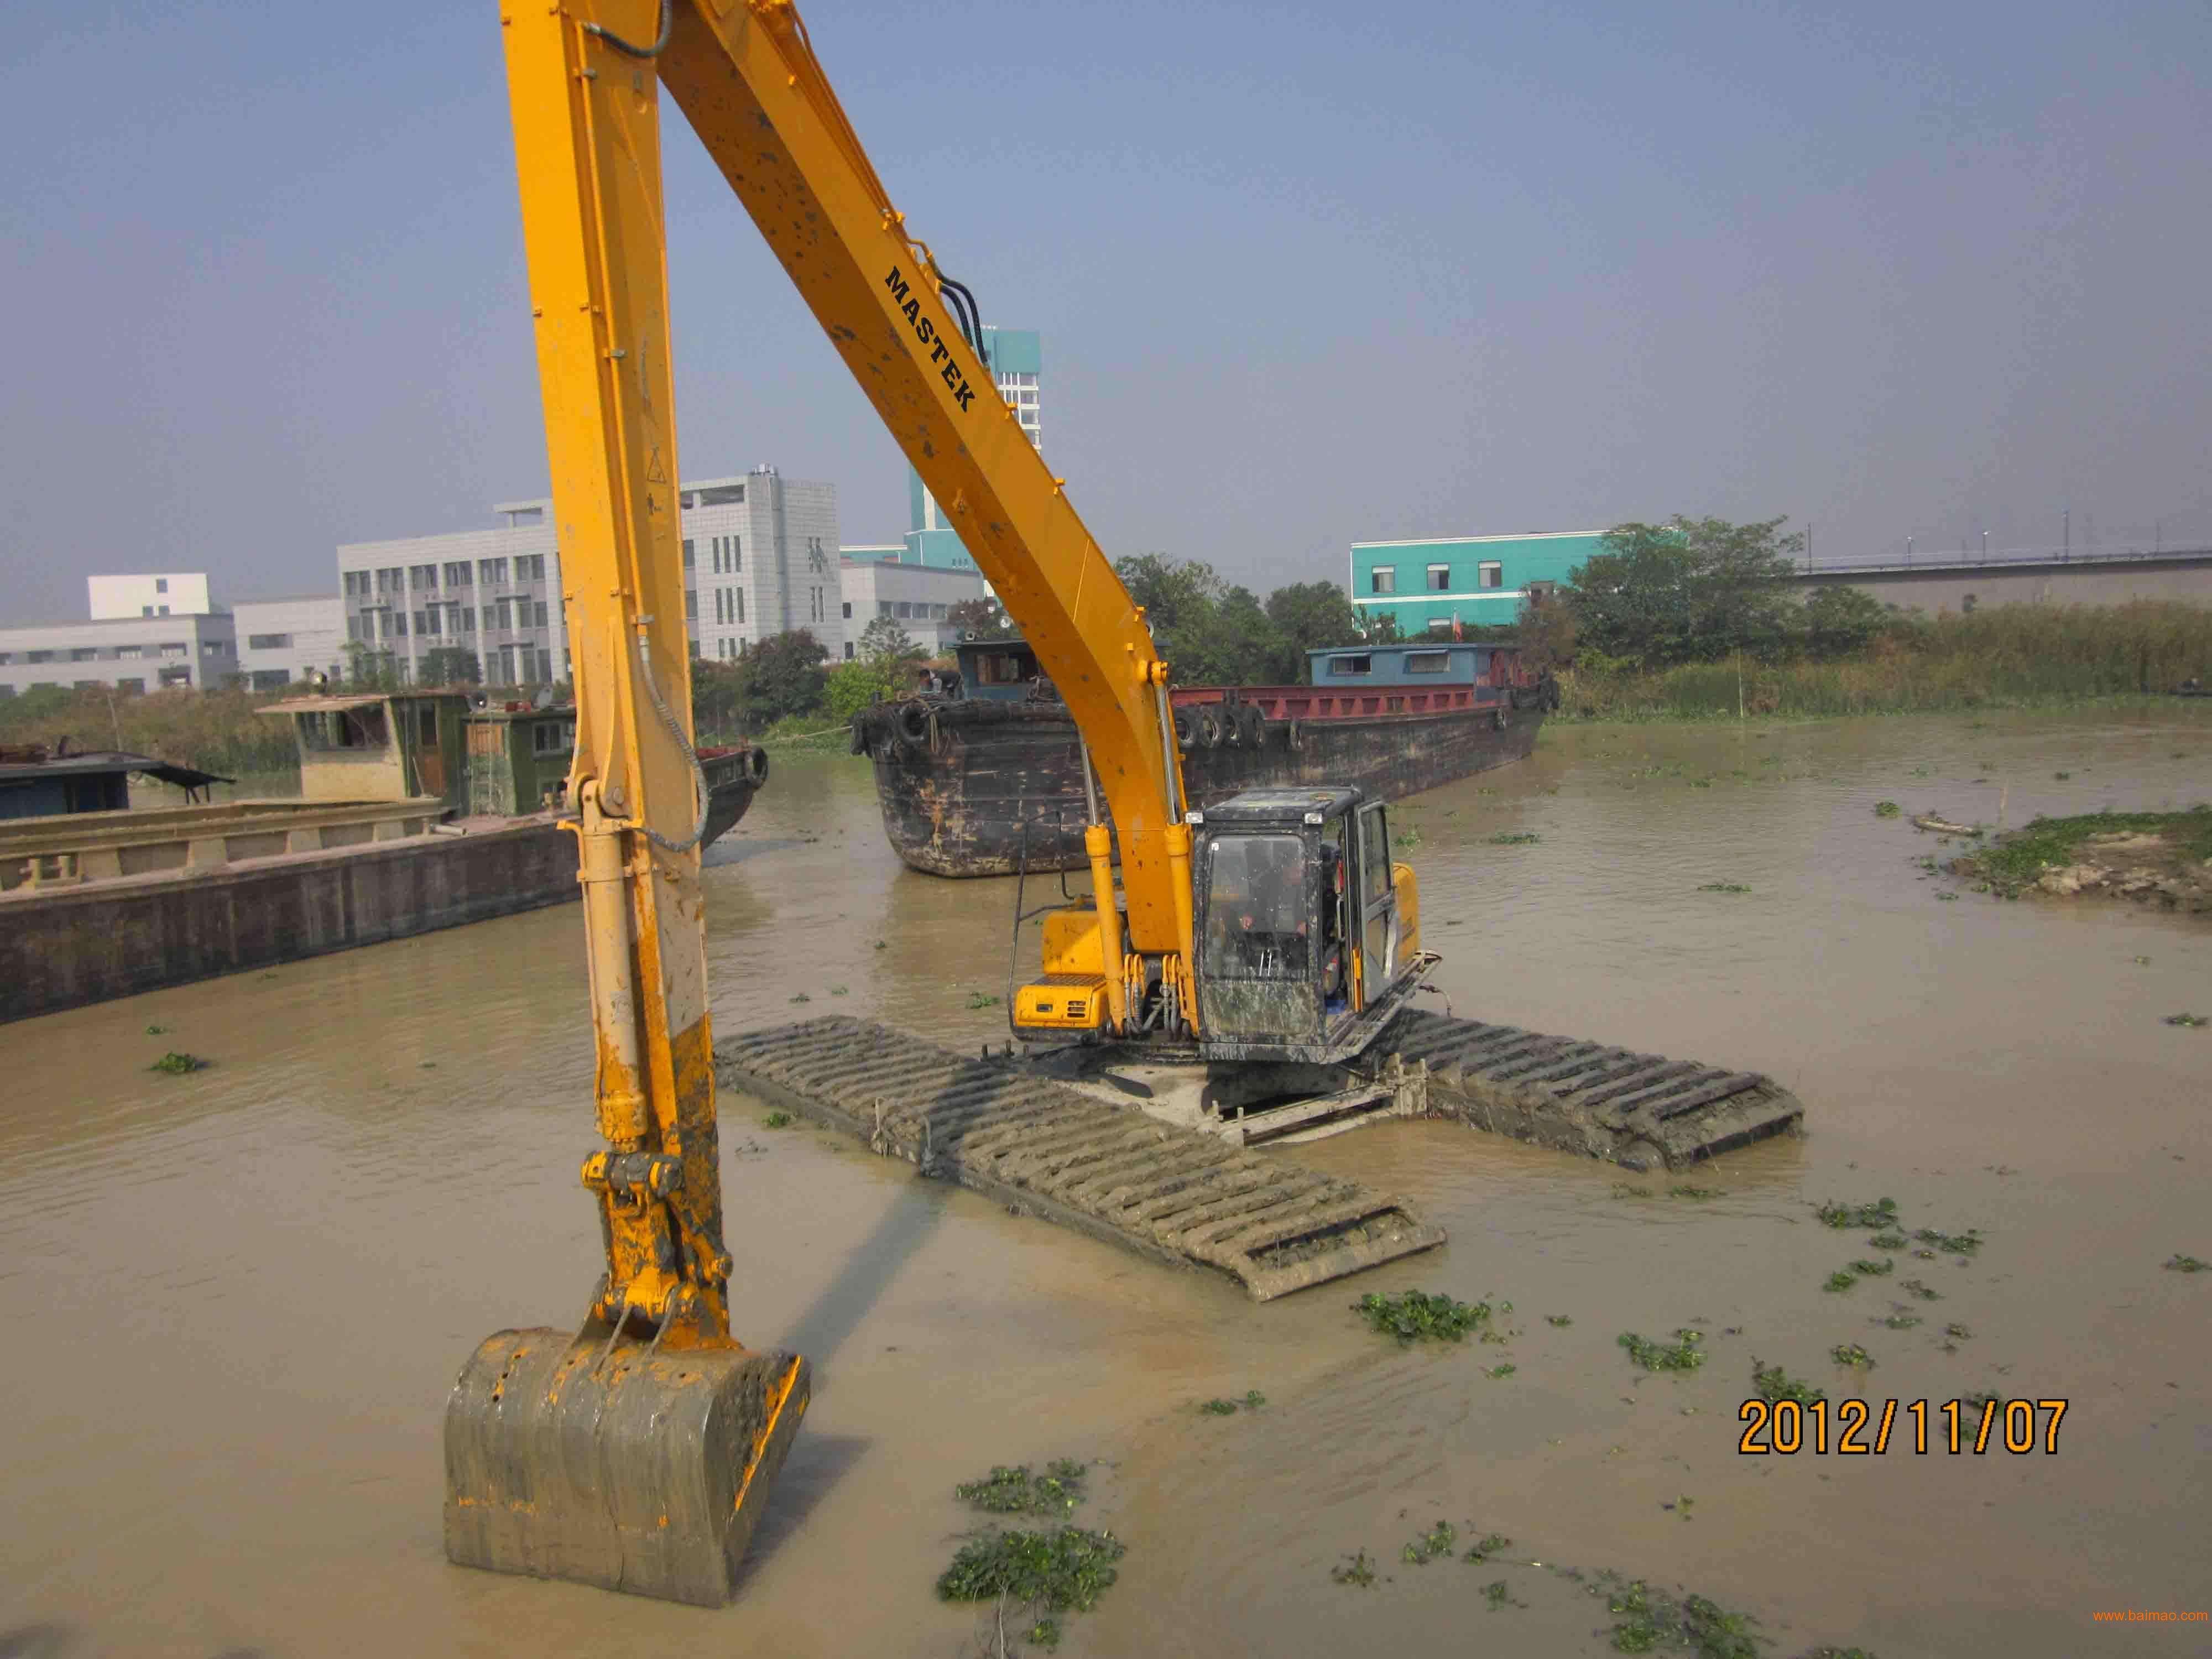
234, 1301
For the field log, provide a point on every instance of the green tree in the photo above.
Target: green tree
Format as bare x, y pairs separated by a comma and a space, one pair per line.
1234, 642
985, 617
1841, 622
1314, 616
781, 676
886, 645
451, 664
717, 697
852, 686
370, 670
1175, 594
1691, 590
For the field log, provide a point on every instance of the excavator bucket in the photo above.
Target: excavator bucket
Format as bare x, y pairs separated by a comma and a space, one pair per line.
635, 1469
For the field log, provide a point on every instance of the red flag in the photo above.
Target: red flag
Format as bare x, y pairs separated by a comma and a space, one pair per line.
1457, 635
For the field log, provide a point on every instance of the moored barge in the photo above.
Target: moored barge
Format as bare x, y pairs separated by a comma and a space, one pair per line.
986, 777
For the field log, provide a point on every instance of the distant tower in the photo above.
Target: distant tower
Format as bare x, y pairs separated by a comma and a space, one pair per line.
1018, 363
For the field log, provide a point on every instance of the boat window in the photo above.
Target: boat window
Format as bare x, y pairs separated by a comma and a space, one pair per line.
1255, 922
1002, 668
1361, 665
1374, 854
427, 725
344, 728
1428, 662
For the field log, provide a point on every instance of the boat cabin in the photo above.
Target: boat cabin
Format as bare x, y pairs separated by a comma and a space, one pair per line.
1419, 662
377, 745
996, 670
37, 782
519, 757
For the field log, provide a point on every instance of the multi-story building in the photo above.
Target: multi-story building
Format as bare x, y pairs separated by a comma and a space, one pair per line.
759, 558
171, 593
282, 641
131, 654
875, 581
1017, 364
1431, 583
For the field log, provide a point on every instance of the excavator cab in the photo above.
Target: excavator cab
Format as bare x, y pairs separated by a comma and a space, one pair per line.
1308, 934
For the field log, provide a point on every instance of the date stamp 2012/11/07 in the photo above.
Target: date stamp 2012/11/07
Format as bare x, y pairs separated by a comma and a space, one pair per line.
1864, 1429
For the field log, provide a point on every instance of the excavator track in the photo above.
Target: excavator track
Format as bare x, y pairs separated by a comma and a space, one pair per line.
991, 1124
1640, 1111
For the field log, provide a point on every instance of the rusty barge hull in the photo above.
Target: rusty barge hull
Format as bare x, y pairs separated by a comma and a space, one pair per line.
975, 788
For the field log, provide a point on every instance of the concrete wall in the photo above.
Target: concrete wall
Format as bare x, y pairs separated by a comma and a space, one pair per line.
155, 593
915, 596
61, 950
1939, 587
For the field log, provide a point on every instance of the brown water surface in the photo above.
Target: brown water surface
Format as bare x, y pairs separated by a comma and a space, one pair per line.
236, 1300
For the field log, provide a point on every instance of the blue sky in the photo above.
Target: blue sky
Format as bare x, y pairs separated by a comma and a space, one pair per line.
1306, 274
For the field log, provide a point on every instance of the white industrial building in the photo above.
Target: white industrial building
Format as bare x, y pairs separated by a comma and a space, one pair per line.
160, 593
282, 641
875, 582
131, 654
759, 558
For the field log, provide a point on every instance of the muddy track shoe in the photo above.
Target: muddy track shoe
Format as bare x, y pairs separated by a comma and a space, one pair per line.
1640, 1111
1168, 1191
632, 1469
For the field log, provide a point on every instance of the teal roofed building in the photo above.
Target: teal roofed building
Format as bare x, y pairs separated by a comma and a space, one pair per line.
1016, 363
1479, 581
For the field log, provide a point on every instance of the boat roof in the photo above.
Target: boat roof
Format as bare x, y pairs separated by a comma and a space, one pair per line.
326, 704
110, 760
1276, 806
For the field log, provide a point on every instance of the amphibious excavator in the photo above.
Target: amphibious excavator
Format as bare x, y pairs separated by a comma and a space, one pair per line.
1273, 933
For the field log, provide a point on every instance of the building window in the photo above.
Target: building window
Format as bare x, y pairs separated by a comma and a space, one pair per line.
160, 583
492, 573
1490, 573
538, 611
48, 656
1359, 665
457, 573
468, 619
1437, 625
129, 652
254, 642
741, 605
688, 559
423, 621
691, 604
848, 610
1383, 579
83, 653
905, 609
848, 651
131, 685
1967, 605
169, 648
161, 609
399, 625
530, 568
422, 577
1439, 579
145, 610
504, 619
269, 679
883, 607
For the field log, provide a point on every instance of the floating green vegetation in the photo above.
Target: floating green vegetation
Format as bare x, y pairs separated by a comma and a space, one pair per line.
1065, 1570
1891, 1240
1016, 1492
1881, 1214
840, 991
1645, 1620
1685, 1354
1561, 1320
2191, 1020
157, 1030
2185, 1264
1900, 1321
176, 1063
1218, 1407
1696, 1194
1887, 808
2011, 866
1850, 1353
1981, 1400
1723, 887
1357, 1571
1842, 1280
1919, 1290
1487, 1546
1436, 1541
776, 1121
1417, 1317
1957, 1332
1408, 838
981, 999
802, 997
2062, 776
1513, 838
1948, 898
1493, 1372
2142, 962
1873, 1269
1839, 1653
1964, 1243
1773, 1385
1498, 1597
882, 944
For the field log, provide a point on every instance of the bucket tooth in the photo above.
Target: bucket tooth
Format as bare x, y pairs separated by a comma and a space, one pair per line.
639, 1470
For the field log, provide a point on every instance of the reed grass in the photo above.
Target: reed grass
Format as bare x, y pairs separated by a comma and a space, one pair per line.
2005, 656
214, 731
